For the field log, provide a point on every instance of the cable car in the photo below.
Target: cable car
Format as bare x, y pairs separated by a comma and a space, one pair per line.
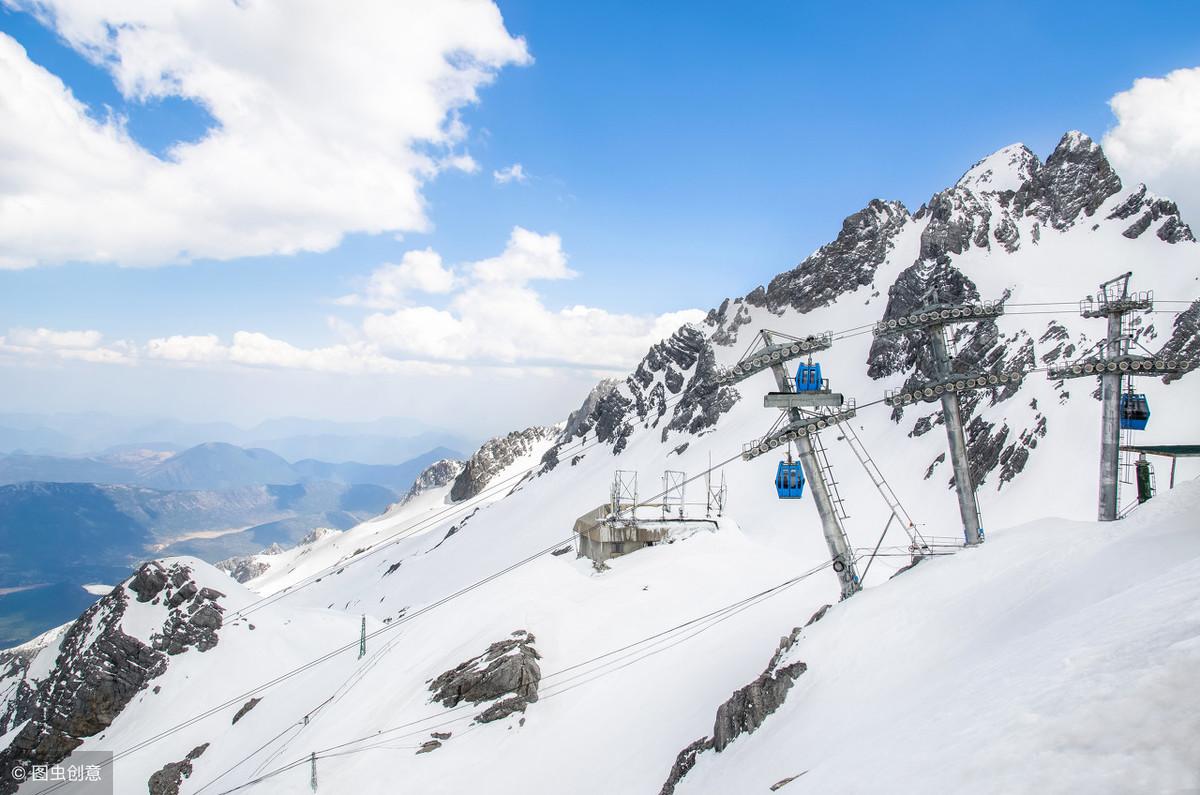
789, 480
1135, 411
808, 378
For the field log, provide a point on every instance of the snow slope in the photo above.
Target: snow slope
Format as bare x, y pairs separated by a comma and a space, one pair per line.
635, 659
1062, 657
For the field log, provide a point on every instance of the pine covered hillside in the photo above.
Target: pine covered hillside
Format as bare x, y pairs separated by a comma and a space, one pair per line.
1056, 657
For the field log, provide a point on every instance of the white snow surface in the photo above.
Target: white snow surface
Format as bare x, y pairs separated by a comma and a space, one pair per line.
1062, 657
1059, 657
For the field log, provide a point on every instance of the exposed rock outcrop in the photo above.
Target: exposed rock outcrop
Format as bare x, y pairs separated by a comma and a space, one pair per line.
98, 671
1075, 180
494, 456
167, 780
747, 708
1144, 210
675, 382
1184, 343
434, 476
918, 285
580, 420
844, 265
245, 568
100, 668
194, 614
506, 674
249, 705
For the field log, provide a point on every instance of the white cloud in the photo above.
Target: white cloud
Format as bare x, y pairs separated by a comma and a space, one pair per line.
254, 349
513, 173
85, 346
527, 256
49, 338
182, 348
329, 122
496, 318
389, 285
1157, 137
492, 319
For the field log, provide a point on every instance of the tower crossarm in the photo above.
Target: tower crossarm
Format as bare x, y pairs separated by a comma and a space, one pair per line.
1130, 364
963, 382
797, 429
769, 355
939, 315
1134, 302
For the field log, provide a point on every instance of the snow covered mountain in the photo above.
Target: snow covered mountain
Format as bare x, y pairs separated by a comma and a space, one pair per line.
496, 661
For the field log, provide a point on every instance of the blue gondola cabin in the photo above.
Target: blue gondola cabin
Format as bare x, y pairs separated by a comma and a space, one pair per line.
808, 378
789, 481
1135, 412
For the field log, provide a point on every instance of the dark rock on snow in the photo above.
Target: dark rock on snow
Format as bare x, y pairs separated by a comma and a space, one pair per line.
167, 780
100, 668
747, 708
495, 455
507, 673
249, 705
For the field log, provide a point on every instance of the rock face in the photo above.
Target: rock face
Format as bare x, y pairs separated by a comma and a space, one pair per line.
672, 388
1143, 209
14, 678
194, 613
578, 421
495, 455
316, 534
249, 705
434, 476
507, 673
849, 262
168, 779
1185, 339
746, 709
100, 668
844, 265
1076, 179
98, 671
923, 283
244, 569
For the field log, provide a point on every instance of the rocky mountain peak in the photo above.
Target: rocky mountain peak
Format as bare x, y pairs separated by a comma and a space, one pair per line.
434, 476
578, 419
679, 370
847, 263
1076, 178
1005, 170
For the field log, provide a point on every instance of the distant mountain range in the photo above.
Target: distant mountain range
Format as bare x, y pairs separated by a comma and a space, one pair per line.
209, 466
66, 522
381, 441
57, 537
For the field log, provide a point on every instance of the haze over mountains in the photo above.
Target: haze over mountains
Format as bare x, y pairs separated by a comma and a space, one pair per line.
69, 521
213, 465
381, 441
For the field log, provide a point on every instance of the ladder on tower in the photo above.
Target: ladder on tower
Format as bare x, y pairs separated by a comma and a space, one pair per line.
881, 484
827, 475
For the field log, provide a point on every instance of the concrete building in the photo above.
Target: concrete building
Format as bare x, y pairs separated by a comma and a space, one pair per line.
600, 537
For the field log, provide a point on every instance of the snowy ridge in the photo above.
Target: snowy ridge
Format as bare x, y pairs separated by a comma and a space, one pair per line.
439, 580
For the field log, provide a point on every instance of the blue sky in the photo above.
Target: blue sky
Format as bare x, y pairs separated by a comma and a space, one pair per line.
682, 153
